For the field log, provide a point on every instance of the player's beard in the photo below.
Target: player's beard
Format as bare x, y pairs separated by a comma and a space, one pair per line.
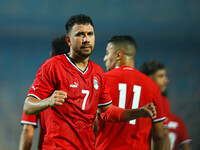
82, 52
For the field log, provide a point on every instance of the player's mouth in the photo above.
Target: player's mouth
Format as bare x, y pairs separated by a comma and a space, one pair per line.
89, 47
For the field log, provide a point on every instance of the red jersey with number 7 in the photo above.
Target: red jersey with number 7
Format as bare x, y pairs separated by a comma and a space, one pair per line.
70, 126
129, 89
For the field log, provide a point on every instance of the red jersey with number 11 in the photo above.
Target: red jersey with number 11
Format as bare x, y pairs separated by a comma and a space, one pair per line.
129, 89
70, 126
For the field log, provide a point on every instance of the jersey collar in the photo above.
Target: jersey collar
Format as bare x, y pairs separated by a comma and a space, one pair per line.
69, 59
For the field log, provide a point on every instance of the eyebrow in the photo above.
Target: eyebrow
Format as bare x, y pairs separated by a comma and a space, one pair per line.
82, 33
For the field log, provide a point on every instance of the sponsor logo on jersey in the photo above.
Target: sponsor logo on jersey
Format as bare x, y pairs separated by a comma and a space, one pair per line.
75, 85
33, 88
127, 68
96, 84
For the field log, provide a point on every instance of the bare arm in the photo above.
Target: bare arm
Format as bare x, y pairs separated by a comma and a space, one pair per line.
26, 137
95, 125
186, 146
33, 106
166, 139
158, 135
130, 114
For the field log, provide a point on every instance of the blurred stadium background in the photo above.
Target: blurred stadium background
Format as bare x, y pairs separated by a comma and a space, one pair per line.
167, 31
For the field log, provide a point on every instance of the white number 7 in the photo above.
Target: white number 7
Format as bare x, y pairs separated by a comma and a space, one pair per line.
122, 97
85, 98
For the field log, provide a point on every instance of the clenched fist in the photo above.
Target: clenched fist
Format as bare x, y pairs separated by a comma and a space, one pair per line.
57, 98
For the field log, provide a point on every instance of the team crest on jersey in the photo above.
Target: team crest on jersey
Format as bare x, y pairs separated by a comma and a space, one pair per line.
96, 84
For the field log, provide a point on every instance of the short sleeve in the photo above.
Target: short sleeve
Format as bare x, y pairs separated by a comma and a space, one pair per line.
166, 108
29, 119
45, 81
104, 98
184, 137
159, 106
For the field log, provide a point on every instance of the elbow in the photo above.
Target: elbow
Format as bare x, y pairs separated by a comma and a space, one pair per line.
27, 109
159, 136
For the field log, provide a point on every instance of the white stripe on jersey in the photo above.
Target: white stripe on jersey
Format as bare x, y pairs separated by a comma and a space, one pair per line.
28, 122
104, 104
34, 96
161, 119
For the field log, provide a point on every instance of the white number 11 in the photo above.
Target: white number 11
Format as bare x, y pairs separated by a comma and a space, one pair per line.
122, 97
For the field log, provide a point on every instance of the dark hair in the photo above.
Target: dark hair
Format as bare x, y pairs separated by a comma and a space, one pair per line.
60, 46
122, 38
151, 67
77, 19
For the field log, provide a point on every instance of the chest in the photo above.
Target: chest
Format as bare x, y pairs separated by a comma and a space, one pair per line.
82, 90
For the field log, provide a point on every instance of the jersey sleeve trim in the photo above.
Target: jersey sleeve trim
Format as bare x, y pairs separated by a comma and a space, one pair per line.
28, 122
105, 104
186, 141
34, 96
160, 119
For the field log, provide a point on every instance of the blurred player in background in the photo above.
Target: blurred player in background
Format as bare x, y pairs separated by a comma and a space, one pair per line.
178, 133
71, 88
129, 88
30, 122
157, 72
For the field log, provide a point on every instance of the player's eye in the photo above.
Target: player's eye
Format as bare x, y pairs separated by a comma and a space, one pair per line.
90, 33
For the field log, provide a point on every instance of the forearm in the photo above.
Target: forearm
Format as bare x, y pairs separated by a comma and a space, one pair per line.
115, 114
33, 106
158, 135
186, 146
158, 143
131, 114
166, 140
26, 139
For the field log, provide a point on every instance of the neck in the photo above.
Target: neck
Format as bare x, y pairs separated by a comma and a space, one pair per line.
126, 62
81, 62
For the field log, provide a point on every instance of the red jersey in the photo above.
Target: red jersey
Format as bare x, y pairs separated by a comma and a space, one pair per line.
166, 108
129, 89
33, 120
177, 132
70, 126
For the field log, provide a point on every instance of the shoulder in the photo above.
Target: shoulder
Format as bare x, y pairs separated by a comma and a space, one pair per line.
147, 80
96, 67
177, 118
54, 60
51, 64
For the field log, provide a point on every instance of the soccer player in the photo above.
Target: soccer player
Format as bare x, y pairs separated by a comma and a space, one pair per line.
71, 88
30, 122
178, 133
157, 72
129, 88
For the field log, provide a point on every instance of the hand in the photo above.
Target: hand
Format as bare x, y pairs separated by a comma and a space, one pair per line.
57, 98
148, 111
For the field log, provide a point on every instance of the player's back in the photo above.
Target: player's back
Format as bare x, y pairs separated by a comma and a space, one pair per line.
129, 89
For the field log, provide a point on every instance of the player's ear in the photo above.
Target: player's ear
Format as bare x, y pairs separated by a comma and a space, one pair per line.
52, 54
119, 54
68, 40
